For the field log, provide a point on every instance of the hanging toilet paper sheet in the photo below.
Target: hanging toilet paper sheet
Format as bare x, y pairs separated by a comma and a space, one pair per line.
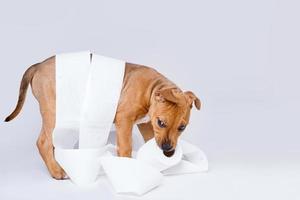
88, 87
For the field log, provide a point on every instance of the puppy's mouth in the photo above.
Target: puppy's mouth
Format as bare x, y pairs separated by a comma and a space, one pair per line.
169, 153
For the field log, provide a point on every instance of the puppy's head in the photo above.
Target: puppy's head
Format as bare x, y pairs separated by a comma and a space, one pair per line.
170, 115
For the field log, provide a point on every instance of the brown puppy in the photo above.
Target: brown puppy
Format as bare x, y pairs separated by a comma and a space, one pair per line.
144, 92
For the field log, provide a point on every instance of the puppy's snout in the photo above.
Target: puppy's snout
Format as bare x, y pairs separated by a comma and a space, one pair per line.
166, 146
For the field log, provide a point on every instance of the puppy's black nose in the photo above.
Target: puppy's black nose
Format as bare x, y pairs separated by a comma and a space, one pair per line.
166, 146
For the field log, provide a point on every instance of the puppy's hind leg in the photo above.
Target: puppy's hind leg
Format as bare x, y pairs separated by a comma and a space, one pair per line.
44, 142
46, 149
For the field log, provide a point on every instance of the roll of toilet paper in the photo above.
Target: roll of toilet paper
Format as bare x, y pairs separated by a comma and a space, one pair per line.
151, 154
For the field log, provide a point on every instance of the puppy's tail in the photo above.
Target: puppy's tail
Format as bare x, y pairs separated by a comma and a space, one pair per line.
26, 80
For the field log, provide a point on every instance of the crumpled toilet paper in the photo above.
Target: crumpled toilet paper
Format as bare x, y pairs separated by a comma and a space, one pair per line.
83, 122
143, 173
136, 175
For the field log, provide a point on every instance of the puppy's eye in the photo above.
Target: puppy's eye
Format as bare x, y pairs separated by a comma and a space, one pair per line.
181, 128
161, 124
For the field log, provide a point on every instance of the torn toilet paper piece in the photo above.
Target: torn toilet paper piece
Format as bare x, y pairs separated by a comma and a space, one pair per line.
84, 117
129, 176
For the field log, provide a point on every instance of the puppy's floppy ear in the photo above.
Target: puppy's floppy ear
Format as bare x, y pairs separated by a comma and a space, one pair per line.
170, 94
192, 98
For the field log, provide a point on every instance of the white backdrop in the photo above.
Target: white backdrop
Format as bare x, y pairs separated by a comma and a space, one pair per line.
240, 57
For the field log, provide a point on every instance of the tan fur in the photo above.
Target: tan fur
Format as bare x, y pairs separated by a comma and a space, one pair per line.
144, 91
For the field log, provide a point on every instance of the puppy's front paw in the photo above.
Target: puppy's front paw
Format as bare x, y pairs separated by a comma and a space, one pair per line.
124, 153
58, 173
